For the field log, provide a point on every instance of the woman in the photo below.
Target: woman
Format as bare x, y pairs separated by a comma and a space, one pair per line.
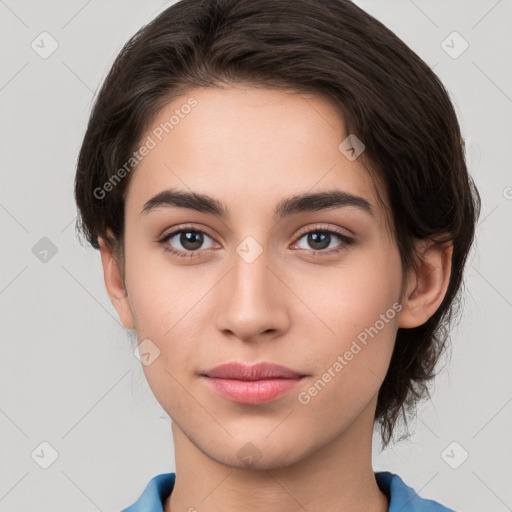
280, 198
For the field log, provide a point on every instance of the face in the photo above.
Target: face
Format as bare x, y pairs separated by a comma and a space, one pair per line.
313, 286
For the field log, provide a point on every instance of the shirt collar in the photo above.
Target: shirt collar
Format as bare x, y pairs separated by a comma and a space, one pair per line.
402, 497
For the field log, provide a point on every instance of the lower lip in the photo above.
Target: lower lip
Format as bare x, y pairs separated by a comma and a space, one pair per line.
252, 392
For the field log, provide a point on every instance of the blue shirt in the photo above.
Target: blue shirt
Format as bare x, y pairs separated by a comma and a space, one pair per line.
402, 498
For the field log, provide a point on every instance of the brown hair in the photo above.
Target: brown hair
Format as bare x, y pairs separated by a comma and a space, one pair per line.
390, 99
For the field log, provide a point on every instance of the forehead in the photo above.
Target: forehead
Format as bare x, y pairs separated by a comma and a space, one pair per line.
247, 146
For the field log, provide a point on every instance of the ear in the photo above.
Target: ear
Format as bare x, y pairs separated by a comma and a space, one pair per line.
114, 284
426, 285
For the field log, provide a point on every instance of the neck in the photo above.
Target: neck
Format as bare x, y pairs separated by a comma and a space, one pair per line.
335, 476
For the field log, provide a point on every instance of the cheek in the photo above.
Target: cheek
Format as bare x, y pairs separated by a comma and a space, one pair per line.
170, 312
358, 308
170, 308
361, 312
161, 296
351, 297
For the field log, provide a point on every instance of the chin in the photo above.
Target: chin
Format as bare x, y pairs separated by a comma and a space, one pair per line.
257, 455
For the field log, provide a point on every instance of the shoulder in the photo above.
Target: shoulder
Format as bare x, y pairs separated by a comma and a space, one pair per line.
154, 495
402, 497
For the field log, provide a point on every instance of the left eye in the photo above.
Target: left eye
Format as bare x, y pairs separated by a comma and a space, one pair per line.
320, 240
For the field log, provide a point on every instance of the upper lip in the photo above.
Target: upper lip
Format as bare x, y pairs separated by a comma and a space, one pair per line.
259, 371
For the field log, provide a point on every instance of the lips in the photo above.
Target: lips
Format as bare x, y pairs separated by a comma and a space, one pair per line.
260, 371
252, 384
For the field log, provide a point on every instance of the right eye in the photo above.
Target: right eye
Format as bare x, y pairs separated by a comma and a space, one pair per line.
191, 241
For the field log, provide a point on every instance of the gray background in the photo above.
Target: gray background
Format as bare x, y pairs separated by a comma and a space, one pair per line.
68, 375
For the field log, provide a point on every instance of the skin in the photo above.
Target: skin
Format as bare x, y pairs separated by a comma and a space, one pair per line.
251, 148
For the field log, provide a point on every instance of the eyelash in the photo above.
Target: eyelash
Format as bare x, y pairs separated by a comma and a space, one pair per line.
345, 241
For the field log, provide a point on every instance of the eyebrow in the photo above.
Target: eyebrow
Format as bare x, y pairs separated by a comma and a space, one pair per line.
308, 202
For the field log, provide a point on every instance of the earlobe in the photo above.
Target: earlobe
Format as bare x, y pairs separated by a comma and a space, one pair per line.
114, 284
427, 285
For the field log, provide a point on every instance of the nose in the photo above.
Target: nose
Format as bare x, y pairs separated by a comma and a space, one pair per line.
252, 300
